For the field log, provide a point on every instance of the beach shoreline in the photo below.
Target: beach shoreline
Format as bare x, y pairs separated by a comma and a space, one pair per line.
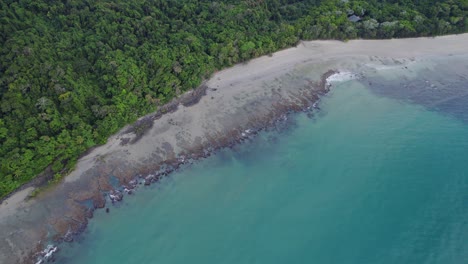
227, 109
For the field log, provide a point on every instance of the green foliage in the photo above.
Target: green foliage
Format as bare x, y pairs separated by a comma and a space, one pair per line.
74, 72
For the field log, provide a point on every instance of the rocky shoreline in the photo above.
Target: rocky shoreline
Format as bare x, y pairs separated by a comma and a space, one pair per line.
231, 107
130, 180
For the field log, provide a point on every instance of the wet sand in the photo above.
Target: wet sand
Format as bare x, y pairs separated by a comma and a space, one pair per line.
229, 108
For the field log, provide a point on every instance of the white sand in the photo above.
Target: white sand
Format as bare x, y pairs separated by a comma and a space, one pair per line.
236, 97
246, 82
14, 202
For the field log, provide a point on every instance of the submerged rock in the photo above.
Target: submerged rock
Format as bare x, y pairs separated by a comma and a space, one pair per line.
116, 196
128, 191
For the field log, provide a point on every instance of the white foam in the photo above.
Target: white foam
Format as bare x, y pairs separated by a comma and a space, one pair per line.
47, 253
341, 77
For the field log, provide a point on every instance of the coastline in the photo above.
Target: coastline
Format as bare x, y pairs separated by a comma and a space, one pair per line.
231, 106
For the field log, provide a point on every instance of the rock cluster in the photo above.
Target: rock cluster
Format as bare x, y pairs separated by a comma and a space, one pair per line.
115, 196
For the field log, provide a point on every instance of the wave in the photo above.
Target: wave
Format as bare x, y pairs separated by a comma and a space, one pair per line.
46, 254
341, 76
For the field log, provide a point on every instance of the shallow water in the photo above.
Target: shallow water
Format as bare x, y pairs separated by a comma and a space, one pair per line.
378, 175
367, 179
439, 84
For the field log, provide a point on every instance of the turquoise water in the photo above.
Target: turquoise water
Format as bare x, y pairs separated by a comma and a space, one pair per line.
366, 180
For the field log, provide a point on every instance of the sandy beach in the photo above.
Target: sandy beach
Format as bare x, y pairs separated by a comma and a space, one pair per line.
229, 108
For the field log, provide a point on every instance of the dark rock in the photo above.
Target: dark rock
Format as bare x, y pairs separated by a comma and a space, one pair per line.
116, 196
128, 190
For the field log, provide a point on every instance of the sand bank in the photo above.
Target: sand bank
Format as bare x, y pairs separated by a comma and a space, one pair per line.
228, 108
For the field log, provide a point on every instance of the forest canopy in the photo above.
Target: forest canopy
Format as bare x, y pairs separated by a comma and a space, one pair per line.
74, 72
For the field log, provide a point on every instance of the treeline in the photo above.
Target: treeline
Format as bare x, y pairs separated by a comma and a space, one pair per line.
72, 72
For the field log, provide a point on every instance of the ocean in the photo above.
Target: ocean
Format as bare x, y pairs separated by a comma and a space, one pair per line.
379, 174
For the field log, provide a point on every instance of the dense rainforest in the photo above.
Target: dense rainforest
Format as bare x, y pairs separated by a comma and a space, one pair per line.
72, 72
